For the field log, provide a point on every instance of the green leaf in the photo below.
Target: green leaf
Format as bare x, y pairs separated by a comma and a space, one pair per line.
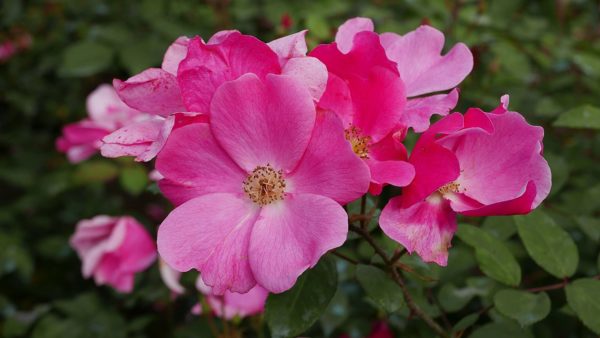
586, 116
548, 244
525, 307
494, 259
141, 55
296, 310
317, 26
453, 299
588, 62
501, 330
336, 313
501, 227
590, 226
134, 179
583, 296
84, 59
95, 171
380, 288
466, 322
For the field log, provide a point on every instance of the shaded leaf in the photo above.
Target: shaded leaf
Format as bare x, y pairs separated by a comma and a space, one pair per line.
296, 310
583, 296
548, 244
84, 59
586, 116
494, 259
380, 288
525, 307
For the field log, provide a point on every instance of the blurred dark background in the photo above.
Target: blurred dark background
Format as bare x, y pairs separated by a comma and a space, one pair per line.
544, 53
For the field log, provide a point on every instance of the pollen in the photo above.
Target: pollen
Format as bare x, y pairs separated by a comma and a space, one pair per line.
359, 143
265, 185
448, 188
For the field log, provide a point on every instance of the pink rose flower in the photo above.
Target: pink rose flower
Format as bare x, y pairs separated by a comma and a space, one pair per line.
259, 188
422, 68
231, 304
479, 164
106, 113
366, 91
113, 249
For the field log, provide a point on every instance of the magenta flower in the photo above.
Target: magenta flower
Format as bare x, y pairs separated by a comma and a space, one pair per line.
422, 68
106, 113
113, 249
259, 187
479, 164
180, 91
366, 91
155, 91
231, 304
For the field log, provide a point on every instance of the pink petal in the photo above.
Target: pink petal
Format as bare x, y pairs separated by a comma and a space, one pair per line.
221, 36
263, 123
342, 178
397, 173
375, 88
518, 206
289, 46
133, 139
421, 65
310, 71
207, 66
426, 227
153, 91
434, 166
497, 166
211, 233
175, 53
344, 37
193, 164
390, 147
106, 108
170, 277
337, 99
289, 237
418, 111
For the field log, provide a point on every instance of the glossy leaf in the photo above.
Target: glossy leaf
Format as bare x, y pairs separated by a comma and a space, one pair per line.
494, 259
548, 244
380, 288
525, 307
291, 313
583, 296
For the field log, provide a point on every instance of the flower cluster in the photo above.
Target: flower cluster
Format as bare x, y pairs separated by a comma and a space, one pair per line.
260, 145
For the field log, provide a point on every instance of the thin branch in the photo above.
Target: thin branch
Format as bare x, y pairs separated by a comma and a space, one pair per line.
344, 257
397, 277
397, 255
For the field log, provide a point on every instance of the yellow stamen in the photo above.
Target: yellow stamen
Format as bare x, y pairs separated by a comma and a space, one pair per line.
359, 143
265, 185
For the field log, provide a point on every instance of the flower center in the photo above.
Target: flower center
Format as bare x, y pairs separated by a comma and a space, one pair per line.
359, 143
448, 188
265, 185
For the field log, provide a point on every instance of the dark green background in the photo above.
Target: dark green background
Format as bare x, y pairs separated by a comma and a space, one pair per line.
545, 54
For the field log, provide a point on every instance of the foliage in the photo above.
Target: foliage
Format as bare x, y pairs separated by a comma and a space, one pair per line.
546, 54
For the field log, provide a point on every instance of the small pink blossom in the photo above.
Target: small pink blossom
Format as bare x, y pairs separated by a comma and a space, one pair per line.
113, 250
259, 188
106, 113
231, 305
365, 89
422, 68
479, 164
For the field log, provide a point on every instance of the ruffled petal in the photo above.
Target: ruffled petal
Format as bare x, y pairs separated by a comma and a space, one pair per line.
193, 164
344, 38
426, 227
290, 236
175, 53
207, 66
260, 123
329, 167
289, 46
211, 233
309, 71
152, 91
421, 65
418, 111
